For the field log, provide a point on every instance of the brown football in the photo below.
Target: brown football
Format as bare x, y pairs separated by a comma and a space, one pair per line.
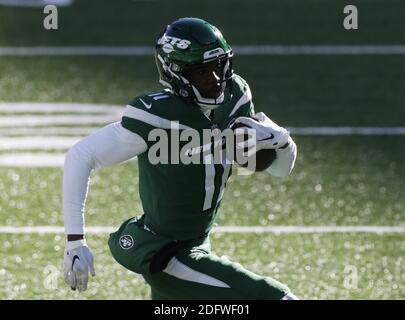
264, 157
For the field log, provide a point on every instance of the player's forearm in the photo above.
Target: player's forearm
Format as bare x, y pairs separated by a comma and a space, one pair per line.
75, 186
285, 160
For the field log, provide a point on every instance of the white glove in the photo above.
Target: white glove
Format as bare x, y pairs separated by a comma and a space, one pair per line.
269, 135
77, 263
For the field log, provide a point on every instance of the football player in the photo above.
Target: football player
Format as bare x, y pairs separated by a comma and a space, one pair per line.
169, 243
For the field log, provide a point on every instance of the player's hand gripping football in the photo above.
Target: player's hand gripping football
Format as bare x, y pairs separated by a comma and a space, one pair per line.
269, 135
78, 263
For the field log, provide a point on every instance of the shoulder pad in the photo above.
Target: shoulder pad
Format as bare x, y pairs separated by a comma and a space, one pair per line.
240, 85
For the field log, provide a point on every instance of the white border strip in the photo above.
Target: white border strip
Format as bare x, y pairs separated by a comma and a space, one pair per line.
225, 229
240, 50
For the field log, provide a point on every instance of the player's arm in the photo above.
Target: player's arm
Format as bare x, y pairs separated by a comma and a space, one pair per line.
108, 146
279, 150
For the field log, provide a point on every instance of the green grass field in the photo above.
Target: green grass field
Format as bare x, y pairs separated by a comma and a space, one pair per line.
348, 266
337, 181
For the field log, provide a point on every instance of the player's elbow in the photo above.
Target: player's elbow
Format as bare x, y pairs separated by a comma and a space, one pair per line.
70, 157
76, 155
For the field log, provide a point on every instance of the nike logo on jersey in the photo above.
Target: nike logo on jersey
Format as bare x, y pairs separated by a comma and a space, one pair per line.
147, 105
268, 138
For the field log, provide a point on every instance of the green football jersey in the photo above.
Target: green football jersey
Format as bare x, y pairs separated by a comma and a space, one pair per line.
180, 200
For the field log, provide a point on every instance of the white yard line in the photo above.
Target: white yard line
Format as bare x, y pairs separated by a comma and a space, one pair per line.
38, 142
32, 122
56, 140
311, 229
104, 114
32, 160
28, 120
35, 160
225, 229
83, 131
50, 131
320, 50
20, 132
55, 107
239, 49
77, 51
35, 3
18, 158
338, 131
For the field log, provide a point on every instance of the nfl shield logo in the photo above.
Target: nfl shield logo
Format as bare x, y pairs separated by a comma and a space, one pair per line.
126, 242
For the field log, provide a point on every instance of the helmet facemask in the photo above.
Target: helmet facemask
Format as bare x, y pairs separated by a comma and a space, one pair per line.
208, 80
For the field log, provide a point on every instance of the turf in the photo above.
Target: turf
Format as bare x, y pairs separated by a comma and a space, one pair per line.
298, 91
329, 266
338, 180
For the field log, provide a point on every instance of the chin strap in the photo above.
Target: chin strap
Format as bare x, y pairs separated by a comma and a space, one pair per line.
209, 103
